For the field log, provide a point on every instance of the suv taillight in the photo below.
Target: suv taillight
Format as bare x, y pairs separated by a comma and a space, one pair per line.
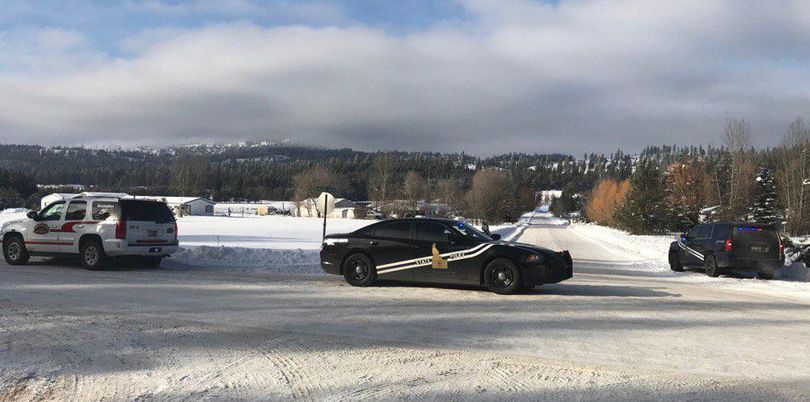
728, 245
121, 229
175, 230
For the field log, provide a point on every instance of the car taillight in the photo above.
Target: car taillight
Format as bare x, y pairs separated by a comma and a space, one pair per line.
121, 229
175, 230
728, 245
781, 247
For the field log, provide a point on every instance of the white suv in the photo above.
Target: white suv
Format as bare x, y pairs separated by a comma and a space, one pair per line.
94, 228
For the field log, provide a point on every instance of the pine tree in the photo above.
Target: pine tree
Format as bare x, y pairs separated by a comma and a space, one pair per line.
645, 210
765, 208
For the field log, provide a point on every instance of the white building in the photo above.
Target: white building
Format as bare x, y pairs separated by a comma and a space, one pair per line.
344, 208
182, 206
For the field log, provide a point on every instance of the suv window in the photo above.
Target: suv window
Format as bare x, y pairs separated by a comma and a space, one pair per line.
433, 232
105, 209
394, 230
704, 232
146, 211
52, 212
76, 211
721, 232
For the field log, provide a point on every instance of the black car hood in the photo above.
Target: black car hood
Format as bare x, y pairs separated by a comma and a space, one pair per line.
523, 246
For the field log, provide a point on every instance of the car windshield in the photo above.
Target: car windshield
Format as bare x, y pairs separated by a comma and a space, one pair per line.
470, 232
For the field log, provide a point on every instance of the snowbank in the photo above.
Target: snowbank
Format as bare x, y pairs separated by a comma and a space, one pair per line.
262, 232
241, 259
12, 214
642, 247
651, 255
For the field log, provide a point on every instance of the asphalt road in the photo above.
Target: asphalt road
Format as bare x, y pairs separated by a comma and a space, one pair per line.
610, 333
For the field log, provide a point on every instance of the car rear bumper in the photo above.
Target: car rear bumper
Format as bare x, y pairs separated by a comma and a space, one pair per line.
557, 270
120, 248
729, 261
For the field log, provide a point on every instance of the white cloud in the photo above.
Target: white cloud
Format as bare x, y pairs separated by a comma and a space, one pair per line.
523, 76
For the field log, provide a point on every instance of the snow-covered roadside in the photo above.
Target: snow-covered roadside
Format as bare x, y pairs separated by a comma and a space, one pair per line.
268, 244
651, 255
654, 248
12, 214
263, 232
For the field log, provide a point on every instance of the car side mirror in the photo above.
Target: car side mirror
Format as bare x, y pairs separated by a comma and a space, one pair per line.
495, 236
32, 215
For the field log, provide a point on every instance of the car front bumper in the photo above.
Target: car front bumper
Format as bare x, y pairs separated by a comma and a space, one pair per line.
556, 269
330, 261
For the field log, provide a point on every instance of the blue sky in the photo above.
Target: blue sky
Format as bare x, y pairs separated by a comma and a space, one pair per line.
540, 76
107, 23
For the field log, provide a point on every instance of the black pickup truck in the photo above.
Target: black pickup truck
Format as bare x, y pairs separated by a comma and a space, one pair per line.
722, 246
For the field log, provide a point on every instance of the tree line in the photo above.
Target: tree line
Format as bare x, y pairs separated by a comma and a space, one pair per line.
735, 182
663, 188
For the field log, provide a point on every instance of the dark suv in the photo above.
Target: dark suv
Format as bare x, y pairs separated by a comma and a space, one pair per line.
719, 247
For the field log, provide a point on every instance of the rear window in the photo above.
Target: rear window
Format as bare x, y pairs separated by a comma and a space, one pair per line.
147, 211
755, 233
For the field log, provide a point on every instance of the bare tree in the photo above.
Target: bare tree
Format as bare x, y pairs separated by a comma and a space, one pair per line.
310, 183
450, 193
491, 197
412, 189
741, 168
381, 180
793, 167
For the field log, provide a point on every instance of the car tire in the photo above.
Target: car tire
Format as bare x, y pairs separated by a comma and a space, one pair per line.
359, 270
92, 256
710, 265
14, 251
152, 262
502, 276
765, 275
675, 262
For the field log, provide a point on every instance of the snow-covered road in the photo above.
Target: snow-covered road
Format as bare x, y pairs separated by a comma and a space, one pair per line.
617, 330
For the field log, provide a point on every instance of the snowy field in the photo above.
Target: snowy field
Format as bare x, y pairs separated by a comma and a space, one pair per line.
623, 328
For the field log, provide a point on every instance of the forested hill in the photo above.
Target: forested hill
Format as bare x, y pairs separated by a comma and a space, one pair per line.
266, 171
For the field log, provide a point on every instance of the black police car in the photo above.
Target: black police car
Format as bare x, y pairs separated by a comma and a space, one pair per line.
719, 247
440, 251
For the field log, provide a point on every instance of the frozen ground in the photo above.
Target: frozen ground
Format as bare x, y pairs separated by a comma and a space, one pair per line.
623, 328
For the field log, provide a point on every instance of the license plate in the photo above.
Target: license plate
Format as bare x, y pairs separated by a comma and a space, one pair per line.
154, 250
152, 233
759, 249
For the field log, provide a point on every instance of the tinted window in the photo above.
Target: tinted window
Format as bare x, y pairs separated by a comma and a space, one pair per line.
746, 234
471, 232
721, 232
105, 209
76, 211
146, 211
52, 212
701, 232
434, 232
394, 230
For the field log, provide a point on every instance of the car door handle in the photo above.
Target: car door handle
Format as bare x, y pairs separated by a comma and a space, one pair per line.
373, 243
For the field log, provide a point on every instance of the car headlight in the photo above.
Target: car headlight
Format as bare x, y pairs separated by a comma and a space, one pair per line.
534, 258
